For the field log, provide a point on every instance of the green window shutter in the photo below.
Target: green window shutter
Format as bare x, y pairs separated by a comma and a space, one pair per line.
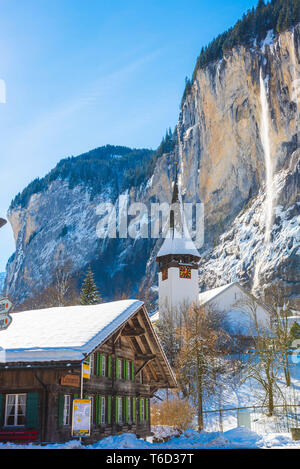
61, 402
99, 413
109, 366
117, 367
97, 364
147, 409
32, 409
141, 408
100, 408
109, 410
126, 410
132, 370
125, 369
1, 410
97, 410
101, 363
75, 396
133, 409
116, 409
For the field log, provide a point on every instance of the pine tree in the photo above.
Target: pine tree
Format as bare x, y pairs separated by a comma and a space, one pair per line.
89, 294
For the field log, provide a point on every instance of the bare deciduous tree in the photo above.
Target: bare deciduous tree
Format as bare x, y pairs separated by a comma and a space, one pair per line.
203, 343
264, 365
61, 292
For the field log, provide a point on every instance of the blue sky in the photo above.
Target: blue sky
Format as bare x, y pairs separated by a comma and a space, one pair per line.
83, 73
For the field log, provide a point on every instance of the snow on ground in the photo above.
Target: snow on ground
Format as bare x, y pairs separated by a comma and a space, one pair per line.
250, 394
236, 438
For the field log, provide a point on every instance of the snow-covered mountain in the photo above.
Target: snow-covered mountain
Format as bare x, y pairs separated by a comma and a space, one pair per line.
220, 146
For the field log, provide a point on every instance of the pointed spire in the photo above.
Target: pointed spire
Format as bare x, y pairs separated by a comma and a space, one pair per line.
175, 199
178, 240
175, 195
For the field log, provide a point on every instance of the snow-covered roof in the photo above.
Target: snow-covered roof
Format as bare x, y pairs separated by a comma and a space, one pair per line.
208, 295
178, 243
64, 333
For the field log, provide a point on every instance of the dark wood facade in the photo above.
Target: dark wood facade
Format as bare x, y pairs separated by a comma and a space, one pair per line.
127, 369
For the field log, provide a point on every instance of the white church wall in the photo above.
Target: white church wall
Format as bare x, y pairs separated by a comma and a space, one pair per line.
174, 292
238, 317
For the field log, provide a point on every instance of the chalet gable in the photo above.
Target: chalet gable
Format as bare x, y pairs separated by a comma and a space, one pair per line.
67, 336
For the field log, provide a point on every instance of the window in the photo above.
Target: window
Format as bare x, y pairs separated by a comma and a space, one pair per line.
129, 409
120, 409
67, 406
142, 409
103, 370
119, 368
128, 368
102, 403
92, 408
15, 409
91, 360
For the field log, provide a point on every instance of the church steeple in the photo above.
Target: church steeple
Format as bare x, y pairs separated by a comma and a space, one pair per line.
175, 200
177, 260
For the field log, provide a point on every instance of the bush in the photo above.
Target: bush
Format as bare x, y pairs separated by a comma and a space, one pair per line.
177, 413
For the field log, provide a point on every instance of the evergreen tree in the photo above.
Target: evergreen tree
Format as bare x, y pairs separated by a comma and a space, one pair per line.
89, 294
254, 25
294, 332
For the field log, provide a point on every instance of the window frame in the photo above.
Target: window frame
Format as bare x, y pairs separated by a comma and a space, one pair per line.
103, 410
103, 369
92, 363
92, 409
142, 407
67, 410
16, 404
129, 406
129, 370
120, 410
120, 368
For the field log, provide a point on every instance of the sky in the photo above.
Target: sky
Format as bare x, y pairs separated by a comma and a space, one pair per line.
78, 74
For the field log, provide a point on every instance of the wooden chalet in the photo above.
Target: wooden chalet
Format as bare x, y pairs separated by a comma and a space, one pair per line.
41, 356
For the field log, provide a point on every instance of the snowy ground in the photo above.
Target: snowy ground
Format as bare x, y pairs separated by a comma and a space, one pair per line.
237, 438
251, 394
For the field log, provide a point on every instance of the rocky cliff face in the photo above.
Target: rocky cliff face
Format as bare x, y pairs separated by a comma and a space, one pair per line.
222, 163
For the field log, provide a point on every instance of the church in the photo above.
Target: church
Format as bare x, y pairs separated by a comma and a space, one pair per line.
178, 281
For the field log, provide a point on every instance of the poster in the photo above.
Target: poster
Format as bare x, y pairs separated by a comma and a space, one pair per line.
81, 422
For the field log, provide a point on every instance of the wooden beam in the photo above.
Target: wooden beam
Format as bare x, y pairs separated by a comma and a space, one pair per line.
136, 332
116, 337
148, 359
151, 344
145, 357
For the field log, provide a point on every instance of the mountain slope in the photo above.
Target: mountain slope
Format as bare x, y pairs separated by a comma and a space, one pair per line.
222, 163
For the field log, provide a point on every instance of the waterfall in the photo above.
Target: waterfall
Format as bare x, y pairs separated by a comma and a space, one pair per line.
269, 171
181, 173
295, 73
265, 140
184, 228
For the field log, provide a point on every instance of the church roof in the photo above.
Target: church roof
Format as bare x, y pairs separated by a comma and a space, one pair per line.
178, 239
175, 243
209, 295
